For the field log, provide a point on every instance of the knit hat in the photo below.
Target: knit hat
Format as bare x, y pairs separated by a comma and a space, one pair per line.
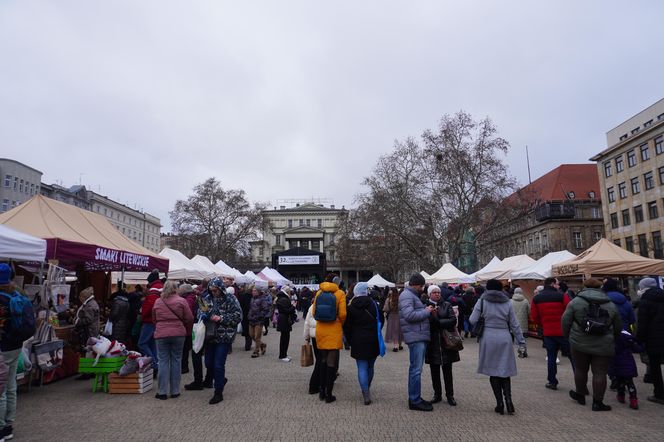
184, 289
416, 279
647, 283
361, 289
494, 284
433, 288
5, 274
153, 276
217, 283
337, 280
518, 291
86, 293
592, 283
230, 290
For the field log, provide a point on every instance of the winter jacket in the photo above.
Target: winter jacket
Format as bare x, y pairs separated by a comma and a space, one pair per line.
8, 340
598, 345
244, 298
436, 353
286, 312
120, 318
623, 364
259, 308
547, 309
624, 308
172, 317
521, 310
154, 292
309, 331
226, 306
650, 326
329, 335
413, 317
361, 328
87, 320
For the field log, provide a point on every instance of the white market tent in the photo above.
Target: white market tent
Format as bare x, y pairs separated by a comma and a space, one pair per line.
495, 261
379, 281
505, 268
206, 265
450, 274
273, 276
425, 274
225, 269
542, 268
21, 246
181, 267
251, 275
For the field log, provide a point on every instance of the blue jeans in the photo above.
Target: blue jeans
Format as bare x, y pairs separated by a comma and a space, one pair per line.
417, 351
146, 344
365, 372
170, 371
553, 344
8, 398
215, 362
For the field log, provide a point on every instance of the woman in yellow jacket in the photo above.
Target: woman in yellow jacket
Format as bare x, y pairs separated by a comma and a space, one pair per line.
329, 334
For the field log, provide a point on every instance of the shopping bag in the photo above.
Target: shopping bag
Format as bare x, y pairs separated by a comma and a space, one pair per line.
108, 329
198, 336
307, 355
381, 341
239, 328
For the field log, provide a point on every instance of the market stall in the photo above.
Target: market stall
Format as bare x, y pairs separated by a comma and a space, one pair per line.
378, 281
450, 274
180, 267
504, 269
528, 278
18, 246
495, 261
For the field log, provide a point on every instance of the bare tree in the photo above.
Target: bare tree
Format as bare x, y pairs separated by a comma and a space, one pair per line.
215, 222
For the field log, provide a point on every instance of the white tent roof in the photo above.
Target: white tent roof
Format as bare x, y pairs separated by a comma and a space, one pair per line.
487, 268
206, 265
251, 275
226, 270
505, 268
449, 273
181, 267
274, 276
21, 246
377, 280
542, 268
425, 274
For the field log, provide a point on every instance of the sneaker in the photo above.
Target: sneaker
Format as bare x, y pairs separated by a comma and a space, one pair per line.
551, 386
633, 403
194, 386
656, 400
218, 397
420, 406
286, 359
254, 355
7, 433
163, 397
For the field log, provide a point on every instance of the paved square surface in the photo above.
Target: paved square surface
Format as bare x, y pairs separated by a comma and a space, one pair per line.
266, 399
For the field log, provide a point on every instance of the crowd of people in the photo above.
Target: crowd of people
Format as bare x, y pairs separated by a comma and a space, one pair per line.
599, 329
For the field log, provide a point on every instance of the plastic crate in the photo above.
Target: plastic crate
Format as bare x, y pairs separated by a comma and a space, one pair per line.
101, 370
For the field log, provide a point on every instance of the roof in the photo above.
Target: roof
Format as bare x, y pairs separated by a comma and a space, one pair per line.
558, 183
504, 269
450, 274
306, 207
542, 268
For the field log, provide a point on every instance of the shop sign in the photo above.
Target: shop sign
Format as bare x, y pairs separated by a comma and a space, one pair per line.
299, 260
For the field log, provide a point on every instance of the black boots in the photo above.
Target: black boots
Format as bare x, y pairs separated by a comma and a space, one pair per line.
329, 384
218, 397
367, 397
507, 392
496, 386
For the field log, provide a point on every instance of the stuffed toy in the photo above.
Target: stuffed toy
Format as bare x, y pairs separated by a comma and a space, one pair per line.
98, 346
144, 364
117, 349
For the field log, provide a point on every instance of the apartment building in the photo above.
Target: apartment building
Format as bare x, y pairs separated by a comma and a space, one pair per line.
18, 183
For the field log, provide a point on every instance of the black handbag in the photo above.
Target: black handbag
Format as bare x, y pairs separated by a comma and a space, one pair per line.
478, 328
211, 328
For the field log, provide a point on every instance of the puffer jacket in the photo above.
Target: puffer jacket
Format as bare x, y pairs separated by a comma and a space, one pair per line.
259, 308
521, 310
309, 325
599, 345
120, 318
650, 327
329, 335
226, 306
624, 308
547, 309
413, 317
154, 292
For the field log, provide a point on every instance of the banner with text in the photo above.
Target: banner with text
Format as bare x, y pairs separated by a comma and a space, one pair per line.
299, 260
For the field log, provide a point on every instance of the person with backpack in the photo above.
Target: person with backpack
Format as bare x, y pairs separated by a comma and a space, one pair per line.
17, 324
592, 324
329, 310
650, 333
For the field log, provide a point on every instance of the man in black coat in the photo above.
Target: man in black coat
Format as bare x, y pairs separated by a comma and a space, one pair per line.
285, 321
650, 332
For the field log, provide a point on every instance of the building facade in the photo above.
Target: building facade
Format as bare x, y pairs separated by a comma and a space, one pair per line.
75, 195
19, 183
631, 171
561, 210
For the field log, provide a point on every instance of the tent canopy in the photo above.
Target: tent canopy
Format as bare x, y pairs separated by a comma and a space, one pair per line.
206, 266
425, 274
181, 267
542, 268
379, 281
606, 258
450, 274
487, 268
226, 270
271, 275
504, 269
75, 236
21, 246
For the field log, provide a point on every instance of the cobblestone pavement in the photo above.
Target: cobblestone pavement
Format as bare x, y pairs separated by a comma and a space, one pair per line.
266, 399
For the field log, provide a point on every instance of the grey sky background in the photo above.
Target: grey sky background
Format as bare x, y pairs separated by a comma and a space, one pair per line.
143, 100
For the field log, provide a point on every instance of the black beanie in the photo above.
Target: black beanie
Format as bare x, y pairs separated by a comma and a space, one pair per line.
153, 276
416, 279
494, 284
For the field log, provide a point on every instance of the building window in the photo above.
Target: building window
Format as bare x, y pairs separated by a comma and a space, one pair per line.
631, 158
332, 238
15, 183
657, 244
591, 194
617, 242
607, 169
320, 223
652, 210
597, 236
643, 245
622, 191
635, 130
578, 240
638, 214
620, 165
647, 123
277, 239
614, 220
20, 187
5, 205
661, 175
625, 217
308, 223
290, 223
659, 144
629, 244
301, 222
648, 181
8, 179
595, 212
315, 245
32, 188
636, 187
645, 156
623, 137
611, 194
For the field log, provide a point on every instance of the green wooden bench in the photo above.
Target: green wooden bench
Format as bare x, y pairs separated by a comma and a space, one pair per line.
104, 367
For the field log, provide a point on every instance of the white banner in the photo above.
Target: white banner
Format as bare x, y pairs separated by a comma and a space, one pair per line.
299, 260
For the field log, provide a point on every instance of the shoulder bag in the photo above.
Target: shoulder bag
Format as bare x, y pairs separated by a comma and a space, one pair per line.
478, 328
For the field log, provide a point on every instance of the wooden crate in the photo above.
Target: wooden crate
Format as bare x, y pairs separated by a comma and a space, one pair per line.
135, 383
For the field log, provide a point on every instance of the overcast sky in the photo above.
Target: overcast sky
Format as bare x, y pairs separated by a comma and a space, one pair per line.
144, 99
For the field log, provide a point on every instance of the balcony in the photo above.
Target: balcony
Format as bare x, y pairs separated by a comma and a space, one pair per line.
551, 210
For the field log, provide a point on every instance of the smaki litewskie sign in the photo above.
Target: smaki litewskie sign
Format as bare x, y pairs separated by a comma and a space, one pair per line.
299, 260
